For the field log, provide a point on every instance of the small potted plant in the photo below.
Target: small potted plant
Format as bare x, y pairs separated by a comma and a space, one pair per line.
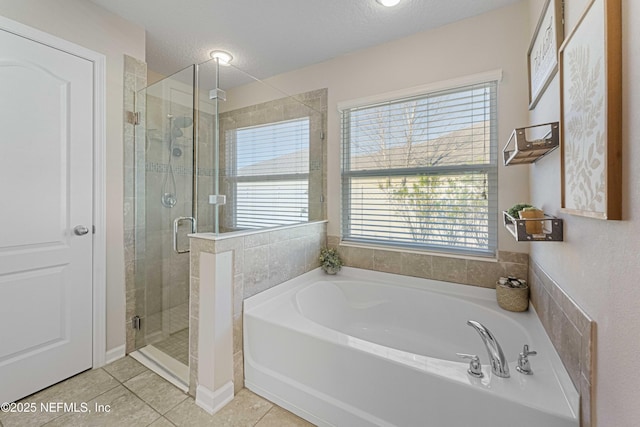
330, 260
515, 209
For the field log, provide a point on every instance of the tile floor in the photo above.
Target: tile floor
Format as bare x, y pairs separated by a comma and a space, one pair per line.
138, 397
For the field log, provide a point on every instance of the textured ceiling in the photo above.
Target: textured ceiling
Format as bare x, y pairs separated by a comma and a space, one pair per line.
268, 37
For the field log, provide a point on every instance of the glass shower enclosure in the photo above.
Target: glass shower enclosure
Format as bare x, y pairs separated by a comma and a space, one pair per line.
165, 210
204, 164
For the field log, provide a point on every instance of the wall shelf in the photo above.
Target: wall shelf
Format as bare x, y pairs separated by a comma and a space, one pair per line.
519, 150
552, 228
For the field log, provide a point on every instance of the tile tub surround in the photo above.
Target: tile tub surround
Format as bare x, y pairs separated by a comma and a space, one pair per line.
572, 332
261, 259
476, 271
138, 397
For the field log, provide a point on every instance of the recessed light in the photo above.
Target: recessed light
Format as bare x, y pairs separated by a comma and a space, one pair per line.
388, 3
223, 57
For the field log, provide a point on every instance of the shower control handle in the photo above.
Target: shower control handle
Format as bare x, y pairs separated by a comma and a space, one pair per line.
80, 230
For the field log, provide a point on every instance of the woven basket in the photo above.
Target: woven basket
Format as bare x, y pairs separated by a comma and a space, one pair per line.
512, 299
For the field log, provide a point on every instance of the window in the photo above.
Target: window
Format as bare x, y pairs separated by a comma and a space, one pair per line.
421, 172
268, 170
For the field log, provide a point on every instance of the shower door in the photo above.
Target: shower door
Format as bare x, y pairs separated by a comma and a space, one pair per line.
165, 211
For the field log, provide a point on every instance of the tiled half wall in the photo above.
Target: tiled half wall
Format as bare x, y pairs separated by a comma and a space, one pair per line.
261, 260
572, 332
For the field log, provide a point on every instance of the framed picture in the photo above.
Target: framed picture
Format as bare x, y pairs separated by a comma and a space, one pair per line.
591, 113
542, 57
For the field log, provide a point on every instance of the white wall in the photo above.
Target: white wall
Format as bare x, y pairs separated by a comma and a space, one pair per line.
496, 40
84, 23
598, 263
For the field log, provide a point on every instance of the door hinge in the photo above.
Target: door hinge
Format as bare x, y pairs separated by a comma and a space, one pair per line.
133, 118
93, 229
136, 322
321, 136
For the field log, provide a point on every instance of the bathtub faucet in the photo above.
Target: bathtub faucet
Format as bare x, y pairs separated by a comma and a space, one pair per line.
497, 360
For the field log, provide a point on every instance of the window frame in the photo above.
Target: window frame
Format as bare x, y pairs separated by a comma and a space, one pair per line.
490, 169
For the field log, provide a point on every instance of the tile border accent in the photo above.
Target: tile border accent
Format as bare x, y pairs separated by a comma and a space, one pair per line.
572, 333
475, 272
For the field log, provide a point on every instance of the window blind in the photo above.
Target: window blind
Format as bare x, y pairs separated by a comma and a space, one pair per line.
268, 171
422, 172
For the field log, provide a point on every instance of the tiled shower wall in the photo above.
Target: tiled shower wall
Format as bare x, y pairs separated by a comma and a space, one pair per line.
261, 260
166, 273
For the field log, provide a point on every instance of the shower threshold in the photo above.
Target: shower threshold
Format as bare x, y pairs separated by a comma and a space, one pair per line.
164, 365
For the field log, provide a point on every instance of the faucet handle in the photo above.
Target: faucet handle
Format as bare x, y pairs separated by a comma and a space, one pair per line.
526, 352
475, 368
523, 361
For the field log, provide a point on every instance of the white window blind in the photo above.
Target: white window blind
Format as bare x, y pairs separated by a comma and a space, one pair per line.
422, 172
268, 169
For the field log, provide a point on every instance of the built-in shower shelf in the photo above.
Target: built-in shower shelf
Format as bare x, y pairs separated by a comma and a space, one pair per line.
551, 228
519, 150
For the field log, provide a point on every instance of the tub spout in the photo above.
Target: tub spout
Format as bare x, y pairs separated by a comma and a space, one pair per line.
497, 360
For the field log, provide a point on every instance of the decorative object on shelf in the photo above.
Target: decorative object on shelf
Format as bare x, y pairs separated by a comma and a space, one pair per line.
532, 227
330, 260
590, 111
552, 228
530, 144
512, 294
542, 57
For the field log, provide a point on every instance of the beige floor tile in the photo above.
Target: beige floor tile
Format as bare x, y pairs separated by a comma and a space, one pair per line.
278, 417
155, 391
189, 414
81, 388
162, 422
125, 368
124, 410
245, 409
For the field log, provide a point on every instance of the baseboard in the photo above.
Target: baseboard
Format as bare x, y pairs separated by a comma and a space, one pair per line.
213, 401
114, 354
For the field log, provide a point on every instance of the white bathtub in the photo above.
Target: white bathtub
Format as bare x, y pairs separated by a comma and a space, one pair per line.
366, 348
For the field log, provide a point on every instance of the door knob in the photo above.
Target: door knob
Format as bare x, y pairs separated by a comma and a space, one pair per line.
80, 230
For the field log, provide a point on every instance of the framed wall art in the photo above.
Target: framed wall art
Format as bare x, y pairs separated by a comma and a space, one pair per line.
591, 113
542, 57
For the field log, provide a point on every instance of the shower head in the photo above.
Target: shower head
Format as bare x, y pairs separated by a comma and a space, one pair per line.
178, 123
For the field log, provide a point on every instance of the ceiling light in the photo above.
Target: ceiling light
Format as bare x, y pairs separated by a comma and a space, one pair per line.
223, 57
388, 3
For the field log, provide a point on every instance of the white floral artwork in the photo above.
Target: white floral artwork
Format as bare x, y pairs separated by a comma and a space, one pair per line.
584, 116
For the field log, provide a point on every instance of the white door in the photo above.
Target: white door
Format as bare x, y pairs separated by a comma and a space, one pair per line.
46, 181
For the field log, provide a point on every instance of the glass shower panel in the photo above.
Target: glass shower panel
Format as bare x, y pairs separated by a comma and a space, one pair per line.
269, 149
208, 101
164, 204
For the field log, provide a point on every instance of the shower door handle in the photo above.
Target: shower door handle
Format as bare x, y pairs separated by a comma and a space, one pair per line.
176, 224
